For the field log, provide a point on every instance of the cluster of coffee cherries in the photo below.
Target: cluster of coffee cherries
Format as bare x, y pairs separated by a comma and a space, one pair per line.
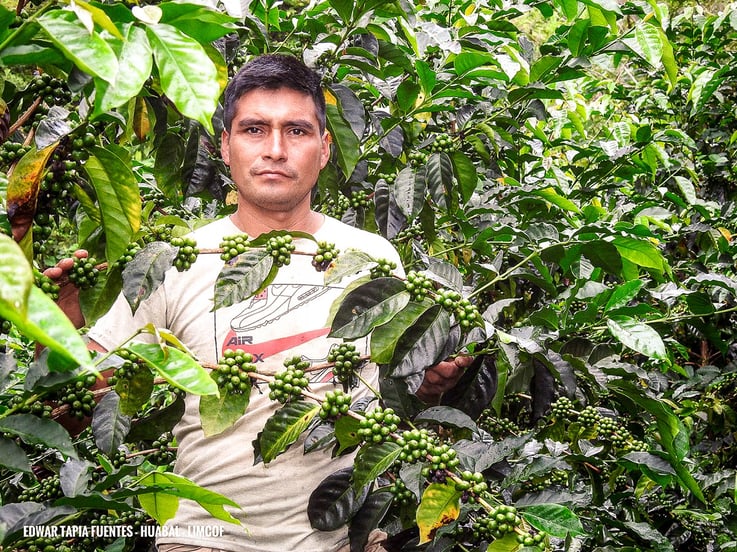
359, 199
443, 143
472, 483
289, 384
418, 285
383, 268
335, 403
46, 489
280, 248
466, 313
232, 246
37, 408
378, 425
417, 158
419, 444
498, 427
400, 493
51, 89
78, 397
129, 369
496, 523
186, 254
10, 152
162, 450
337, 208
346, 361
232, 372
46, 284
325, 254
84, 272
128, 255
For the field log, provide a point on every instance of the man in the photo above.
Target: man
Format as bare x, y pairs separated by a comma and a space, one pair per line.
275, 143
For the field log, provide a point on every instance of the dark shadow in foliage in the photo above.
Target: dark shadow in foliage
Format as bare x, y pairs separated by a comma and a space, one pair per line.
476, 388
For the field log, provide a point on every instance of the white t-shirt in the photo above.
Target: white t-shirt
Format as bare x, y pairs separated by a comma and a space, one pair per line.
288, 319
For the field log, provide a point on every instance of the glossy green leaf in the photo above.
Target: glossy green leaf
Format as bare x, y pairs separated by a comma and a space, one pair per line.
639, 252
347, 264
39, 431
198, 21
244, 276
440, 505
134, 391
219, 413
623, 294
334, 502
384, 339
421, 344
163, 502
345, 141
551, 194
135, 62
466, 175
367, 306
284, 428
145, 273
188, 76
638, 336
110, 424
649, 40
555, 519
373, 460
16, 279
13, 457
176, 367
120, 202
88, 51
408, 190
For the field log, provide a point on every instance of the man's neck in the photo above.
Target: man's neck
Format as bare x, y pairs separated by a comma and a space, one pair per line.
257, 223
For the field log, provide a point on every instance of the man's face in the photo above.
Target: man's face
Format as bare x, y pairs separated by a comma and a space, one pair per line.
275, 149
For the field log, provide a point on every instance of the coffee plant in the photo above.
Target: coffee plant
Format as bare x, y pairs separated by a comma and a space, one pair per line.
559, 180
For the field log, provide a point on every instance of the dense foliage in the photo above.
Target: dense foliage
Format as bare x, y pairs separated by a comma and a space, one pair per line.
564, 206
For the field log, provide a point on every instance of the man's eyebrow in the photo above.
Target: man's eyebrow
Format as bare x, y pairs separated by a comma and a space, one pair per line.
259, 121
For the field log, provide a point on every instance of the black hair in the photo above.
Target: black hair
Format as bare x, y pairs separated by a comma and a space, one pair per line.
271, 72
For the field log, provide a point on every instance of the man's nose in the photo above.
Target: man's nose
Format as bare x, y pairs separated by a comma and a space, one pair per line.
275, 146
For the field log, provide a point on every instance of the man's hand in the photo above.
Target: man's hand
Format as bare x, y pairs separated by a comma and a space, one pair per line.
68, 293
441, 377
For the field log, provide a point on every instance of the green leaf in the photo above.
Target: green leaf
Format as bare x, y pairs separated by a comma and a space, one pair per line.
146, 272
13, 457
334, 502
202, 23
408, 189
447, 417
284, 428
188, 77
166, 489
346, 432
244, 276
639, 252
373, 460
554, 519
119, 198
426, 76
134, 391
551, 195
347, 264
39, 431
109, 424
654, 467
176, 367
384, 339
87, 50
638, 336
135, 63
16, 279
344, 139
465, 173
649, 40
601, 253
439, 506
219, 413
422, 343
672, 433
367, 306
623, 294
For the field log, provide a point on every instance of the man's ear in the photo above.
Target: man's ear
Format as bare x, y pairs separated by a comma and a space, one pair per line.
225, 147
